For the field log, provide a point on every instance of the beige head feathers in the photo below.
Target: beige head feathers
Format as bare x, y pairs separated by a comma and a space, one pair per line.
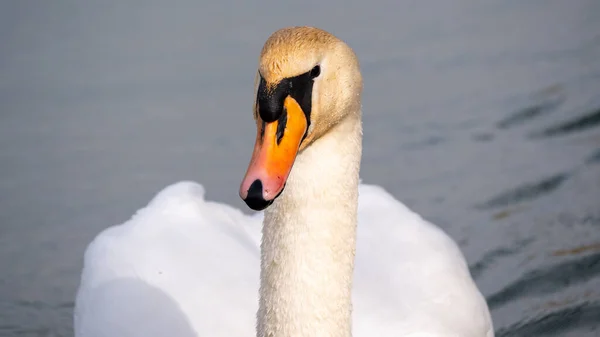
292, 51
307, 82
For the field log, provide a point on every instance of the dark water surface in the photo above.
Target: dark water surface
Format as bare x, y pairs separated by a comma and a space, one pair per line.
484, 116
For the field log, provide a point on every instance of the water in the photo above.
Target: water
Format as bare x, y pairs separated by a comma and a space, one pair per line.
484, 116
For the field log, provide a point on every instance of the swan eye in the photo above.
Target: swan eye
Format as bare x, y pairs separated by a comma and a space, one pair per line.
315, 72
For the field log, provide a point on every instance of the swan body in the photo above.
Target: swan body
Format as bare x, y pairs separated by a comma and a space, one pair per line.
185, 266
181, 266
334, 258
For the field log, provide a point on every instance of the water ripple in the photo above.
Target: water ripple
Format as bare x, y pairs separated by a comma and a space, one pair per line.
545, 106
581, 123
593, 158
557, 322
549, 280
526, 192
490, 257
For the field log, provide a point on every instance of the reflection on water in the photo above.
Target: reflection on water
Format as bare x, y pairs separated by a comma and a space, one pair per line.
482, 116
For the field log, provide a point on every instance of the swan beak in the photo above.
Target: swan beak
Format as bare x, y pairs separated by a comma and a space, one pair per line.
275, 150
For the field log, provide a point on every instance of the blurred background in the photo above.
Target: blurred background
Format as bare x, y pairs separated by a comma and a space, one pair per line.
483, 116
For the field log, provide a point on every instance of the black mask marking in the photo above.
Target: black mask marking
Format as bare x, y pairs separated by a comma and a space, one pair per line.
270, 102
281, 124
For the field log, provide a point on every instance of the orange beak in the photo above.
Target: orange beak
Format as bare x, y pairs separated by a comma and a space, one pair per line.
275, 151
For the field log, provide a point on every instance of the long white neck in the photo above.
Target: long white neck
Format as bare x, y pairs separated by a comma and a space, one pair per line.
309, 240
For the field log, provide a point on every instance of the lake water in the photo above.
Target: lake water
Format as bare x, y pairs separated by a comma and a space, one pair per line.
484, 116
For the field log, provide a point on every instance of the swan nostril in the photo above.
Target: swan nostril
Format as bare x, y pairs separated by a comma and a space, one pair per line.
255, 199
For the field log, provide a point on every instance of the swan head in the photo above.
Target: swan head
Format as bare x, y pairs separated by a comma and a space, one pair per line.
307, 82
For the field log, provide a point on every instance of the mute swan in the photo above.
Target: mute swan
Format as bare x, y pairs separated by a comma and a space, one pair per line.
183, 266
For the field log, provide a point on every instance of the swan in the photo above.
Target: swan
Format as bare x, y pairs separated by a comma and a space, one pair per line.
335, 257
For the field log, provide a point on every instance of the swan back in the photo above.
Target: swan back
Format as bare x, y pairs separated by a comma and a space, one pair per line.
181, 266
423, 281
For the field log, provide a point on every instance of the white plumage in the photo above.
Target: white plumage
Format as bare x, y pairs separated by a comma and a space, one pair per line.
184, 266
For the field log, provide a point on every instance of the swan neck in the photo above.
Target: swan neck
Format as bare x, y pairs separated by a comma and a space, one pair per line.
309, 240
